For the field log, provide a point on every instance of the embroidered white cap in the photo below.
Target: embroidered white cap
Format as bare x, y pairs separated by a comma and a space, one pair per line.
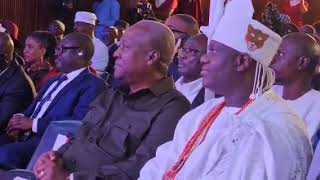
215, 14
86, 17
239, 31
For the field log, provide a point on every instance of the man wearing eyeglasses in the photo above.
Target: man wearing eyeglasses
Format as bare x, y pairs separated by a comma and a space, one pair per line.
189, 66
66, 97
16, 88
183, 26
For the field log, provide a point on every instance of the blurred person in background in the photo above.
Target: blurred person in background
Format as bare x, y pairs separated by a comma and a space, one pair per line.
39, 55
57, 28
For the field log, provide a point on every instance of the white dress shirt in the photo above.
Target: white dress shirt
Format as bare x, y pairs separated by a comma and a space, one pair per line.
308, 107
191, 89
71, 76
100, 57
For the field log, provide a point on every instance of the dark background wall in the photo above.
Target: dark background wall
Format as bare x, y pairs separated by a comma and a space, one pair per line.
29, 15
33, 15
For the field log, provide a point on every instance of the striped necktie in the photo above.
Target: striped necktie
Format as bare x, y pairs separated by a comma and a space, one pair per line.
48, 96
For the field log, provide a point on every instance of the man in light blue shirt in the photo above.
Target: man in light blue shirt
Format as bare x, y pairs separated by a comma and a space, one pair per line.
108, 12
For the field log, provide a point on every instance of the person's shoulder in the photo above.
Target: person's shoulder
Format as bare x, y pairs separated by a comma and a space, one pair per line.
270, 104
20, 74
98, 43
91, 78
314, 93
271, 114
174, 93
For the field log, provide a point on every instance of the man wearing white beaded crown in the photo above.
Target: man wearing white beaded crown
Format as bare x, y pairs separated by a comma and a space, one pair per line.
249, 134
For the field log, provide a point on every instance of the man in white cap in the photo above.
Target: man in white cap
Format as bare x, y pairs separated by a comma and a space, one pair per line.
250, 134
85, 22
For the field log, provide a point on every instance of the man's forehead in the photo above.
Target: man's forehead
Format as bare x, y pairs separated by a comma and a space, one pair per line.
216, 44
192, 43
136, 33
80, 23
288, 43
176, 23
68, 41
222, 47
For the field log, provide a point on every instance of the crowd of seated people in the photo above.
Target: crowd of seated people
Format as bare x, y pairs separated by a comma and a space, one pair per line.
168, 100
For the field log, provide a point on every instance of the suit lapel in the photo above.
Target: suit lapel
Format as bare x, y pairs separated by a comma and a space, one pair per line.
199, 99
38, 98
75, 82
9, 72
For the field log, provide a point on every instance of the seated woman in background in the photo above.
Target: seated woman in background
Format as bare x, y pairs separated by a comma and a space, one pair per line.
39, 56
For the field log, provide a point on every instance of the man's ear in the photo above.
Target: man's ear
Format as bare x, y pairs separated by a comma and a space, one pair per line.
243, 62
303, 62
153, 57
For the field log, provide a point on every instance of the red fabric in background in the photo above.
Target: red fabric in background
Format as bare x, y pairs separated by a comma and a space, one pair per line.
51, 74
169, 4
294, 13
192, 8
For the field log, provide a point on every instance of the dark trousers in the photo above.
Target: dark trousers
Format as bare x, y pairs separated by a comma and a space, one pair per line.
16, 155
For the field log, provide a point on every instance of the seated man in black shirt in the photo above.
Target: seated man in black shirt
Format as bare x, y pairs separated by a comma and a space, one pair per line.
122, 130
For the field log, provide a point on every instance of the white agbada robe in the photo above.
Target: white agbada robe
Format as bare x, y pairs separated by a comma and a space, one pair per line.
267, 141
308, 107
100, 57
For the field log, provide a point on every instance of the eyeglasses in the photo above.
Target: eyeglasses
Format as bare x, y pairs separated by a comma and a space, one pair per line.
189, 51
62, 49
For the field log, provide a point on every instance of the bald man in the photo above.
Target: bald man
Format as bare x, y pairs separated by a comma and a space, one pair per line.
66, 97
123, 129
189, 66
183, 26
16, 88
294, 66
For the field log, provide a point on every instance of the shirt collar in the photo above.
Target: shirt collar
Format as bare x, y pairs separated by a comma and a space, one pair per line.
192, 86
163, 86
158, 89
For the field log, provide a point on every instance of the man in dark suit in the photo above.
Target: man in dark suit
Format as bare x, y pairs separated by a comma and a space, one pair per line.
65, 97
16, 88
122, 130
